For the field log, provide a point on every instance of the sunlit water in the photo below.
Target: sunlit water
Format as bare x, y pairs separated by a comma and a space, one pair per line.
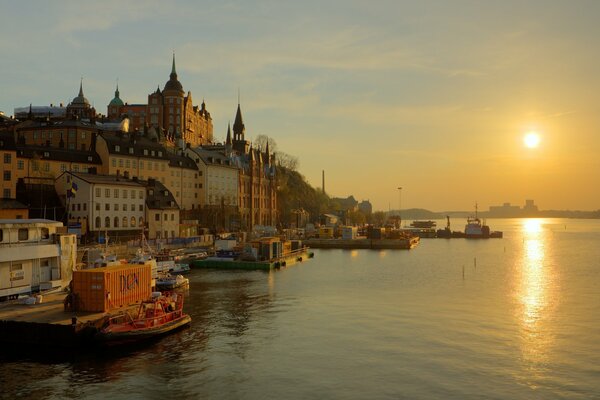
512, 318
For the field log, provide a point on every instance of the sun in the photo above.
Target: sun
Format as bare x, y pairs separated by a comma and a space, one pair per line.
532, 140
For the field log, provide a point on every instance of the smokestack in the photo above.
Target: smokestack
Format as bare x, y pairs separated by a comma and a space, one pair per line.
323, 181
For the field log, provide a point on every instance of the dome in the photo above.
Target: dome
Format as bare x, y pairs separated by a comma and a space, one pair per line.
173, 83
117, 100
80, 99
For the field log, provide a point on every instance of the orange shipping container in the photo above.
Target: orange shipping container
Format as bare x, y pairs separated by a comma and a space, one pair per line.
107, 288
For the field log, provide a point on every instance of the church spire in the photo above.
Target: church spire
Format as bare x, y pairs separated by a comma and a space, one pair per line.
228, 140
238, 125
81, 87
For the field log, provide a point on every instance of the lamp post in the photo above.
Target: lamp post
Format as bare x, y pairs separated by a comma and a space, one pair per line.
400, 206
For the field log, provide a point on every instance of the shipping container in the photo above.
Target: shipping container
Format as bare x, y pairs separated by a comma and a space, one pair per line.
349, 232
325, 232
108, 288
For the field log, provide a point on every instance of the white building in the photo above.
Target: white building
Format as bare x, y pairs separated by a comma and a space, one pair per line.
102, 203
218, 177
34, 256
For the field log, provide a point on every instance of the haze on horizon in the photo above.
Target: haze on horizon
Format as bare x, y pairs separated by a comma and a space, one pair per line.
433, 96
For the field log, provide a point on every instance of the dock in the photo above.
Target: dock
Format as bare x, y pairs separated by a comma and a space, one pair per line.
292, 258
47, 324
362, 243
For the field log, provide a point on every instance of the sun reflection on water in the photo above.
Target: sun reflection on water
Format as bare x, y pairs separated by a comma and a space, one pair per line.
535, 298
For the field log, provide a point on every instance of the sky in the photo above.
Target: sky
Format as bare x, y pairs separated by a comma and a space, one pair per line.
431, 96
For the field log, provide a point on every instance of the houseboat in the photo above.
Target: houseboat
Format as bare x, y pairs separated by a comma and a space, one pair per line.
35, 255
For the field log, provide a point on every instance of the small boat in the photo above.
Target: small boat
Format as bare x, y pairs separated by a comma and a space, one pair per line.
162, 314
168, 281
180, 269
423, 224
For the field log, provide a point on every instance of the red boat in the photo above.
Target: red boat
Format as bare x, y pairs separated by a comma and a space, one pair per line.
155, 317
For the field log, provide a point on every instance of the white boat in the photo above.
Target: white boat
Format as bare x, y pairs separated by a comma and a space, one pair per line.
168, 281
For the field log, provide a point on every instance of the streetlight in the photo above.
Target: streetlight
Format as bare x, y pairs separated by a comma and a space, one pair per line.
400, 206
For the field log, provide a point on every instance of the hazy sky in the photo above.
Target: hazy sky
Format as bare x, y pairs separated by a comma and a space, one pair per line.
433, 96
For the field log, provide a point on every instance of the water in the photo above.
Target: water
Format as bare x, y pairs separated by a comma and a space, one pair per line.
452, 319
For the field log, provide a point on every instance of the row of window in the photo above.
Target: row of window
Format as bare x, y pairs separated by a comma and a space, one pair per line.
146, 151
50, 134
165, 217
123, 192
127, 163
23, 234
116, 207
125, 222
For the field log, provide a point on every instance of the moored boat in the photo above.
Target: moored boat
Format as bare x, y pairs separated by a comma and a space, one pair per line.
169, 282
161, 314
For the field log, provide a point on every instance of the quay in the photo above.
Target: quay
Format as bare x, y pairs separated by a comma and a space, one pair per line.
363, 243
47, 324
287, 260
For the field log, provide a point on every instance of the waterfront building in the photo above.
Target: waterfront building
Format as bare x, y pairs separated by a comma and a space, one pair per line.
365, 207
34, 256
218, 180
257, 183
100, 203
140, 155
162, 211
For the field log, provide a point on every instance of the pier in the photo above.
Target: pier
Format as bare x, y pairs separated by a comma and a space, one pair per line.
362, 243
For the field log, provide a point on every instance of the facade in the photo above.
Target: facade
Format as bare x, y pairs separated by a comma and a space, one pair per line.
219, 187
257, 183
103, 203
162, 211
34, 256
143, 157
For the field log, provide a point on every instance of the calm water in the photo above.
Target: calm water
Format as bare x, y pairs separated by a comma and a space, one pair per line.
515, 318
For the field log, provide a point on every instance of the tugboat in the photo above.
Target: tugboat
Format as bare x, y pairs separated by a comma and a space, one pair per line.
475, 229
162, 314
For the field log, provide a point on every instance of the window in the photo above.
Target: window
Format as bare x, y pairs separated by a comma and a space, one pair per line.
141, 194
121, 162
83, 135
132, 207
63, 167
16, 272
71, 146
157, 217
133, 194
124, 207
124, 222
172, 234
117, 148
23, 234
76, 168
116, 207
114, 162
84, 206
124, 193
141, 164
127, 163
20, 164
172, 217
133, 222
45, 233
6, 193
166, 216
98, 192
116, 192
97, 206
145, 152
116, 222
141, 207
134, 164
107, 222
7, 158
131, 150
97, 222
7, 175
107, 193
107, 207
46, 167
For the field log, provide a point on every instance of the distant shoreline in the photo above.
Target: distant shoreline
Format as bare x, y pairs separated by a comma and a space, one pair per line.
426, 214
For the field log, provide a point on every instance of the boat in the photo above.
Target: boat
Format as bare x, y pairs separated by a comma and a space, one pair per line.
168, 282
476, 229
161, 314
423, 224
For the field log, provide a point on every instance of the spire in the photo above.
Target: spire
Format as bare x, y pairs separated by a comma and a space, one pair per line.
30, 115
81, 87
173, 71
228, 141
117, 91
238, 125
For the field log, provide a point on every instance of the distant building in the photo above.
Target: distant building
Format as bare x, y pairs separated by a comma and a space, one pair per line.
505, 210
346, 204
530, 208
365, 207
162, 211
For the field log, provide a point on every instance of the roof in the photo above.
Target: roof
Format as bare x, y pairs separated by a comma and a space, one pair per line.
35, 222
182, 161
158, 196
173, 83
138, 143
212, 157
117, 100
11, 204
80, 99
103, 179
57, 154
